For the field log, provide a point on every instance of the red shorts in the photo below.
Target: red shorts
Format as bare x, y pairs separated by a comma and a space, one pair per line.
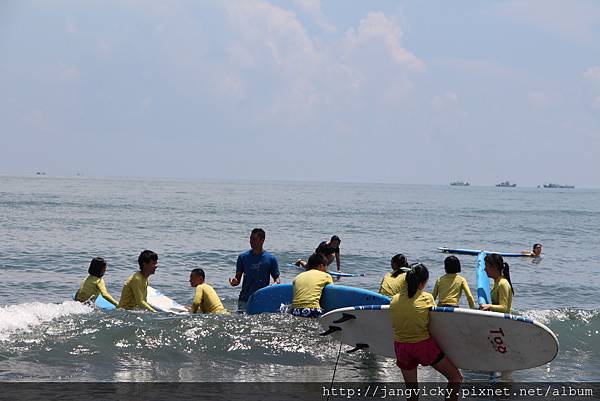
409, 355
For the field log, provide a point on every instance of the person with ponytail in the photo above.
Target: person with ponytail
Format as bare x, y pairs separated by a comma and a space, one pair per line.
395, 281
409, 313
503, 290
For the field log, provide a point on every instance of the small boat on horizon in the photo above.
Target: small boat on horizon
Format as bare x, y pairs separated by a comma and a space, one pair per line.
551, 185
506, 184
460, 184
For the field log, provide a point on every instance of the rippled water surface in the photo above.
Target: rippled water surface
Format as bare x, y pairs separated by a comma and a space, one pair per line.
51, 228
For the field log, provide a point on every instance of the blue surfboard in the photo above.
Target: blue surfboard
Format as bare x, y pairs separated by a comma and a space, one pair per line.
270, 299
483, 282
332, 273
478, 251
100, 302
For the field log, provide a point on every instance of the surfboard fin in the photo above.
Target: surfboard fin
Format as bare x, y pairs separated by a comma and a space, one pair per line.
357, 347
332, 329
345, 317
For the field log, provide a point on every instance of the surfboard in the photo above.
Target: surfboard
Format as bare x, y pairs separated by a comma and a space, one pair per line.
163, 303
483, 282
478, 251
270, 299
331, 272
472, 339
155, 298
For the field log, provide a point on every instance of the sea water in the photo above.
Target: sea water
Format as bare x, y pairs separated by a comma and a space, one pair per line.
52, 227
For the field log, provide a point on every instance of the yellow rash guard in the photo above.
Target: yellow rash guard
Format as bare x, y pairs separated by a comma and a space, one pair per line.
206, 300
391, 286
135, 293
450, 287
308, 287
410, 316
91, 287
501, 296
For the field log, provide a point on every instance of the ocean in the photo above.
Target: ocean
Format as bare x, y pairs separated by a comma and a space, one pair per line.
52, 227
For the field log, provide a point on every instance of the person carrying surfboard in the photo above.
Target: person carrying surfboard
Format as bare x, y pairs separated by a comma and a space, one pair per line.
134, 294
330, 249
206, 299
308, 287
413, 345
94, 285
450, 286
255, 265
395, 281
502, 292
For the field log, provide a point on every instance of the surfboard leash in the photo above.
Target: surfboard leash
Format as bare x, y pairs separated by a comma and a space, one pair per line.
335, 369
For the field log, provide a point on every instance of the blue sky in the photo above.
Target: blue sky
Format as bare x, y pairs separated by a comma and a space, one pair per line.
370, 91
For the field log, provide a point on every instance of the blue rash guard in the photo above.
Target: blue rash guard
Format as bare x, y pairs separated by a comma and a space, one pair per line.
258, 270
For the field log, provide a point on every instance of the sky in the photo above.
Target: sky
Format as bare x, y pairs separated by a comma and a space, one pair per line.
354, 91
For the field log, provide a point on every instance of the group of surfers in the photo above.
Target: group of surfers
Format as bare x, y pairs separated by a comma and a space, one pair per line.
405, 284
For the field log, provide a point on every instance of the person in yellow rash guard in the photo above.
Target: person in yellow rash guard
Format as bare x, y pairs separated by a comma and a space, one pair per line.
451, 285
503, 290
206, 299
135, 291
308, 287
395, 281
413, 345
94, 285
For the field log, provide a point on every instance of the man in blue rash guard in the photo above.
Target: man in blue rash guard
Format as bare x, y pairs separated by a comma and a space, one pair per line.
256, 266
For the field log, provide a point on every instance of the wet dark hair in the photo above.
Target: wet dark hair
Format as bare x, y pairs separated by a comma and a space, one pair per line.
199, 272
335, 238
498, 262
418, 274
261, 233
147, 256
536, 245
452, 264
316, 259
96, 266
400, 261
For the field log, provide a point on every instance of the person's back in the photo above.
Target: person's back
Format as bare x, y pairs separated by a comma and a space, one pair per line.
308, 287
394, 282
410, 316
94, 285
450, 286
391, 285
449, 289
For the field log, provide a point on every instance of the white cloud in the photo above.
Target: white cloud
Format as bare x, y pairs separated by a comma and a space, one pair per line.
313, 9
377, 28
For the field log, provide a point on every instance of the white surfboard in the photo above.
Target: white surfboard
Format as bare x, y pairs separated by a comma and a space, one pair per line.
163, 303
472, 339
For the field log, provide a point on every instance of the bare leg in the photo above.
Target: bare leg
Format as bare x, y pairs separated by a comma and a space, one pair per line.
450, 372
410, 381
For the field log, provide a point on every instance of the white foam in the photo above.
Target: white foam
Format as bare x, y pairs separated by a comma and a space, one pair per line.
545, 316
24, 317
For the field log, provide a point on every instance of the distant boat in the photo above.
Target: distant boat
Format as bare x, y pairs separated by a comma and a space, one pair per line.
40, 173
506, 184
558, 186
460, 184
